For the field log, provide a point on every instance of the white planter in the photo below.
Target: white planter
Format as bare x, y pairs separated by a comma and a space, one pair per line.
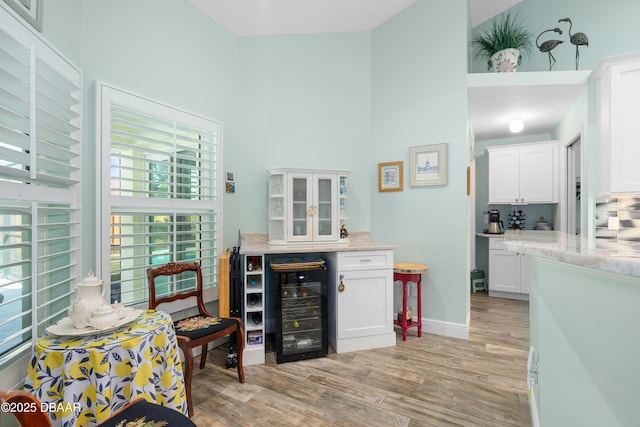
505, 61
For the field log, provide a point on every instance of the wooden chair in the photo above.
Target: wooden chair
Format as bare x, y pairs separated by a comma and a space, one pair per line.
139, 408
202, 336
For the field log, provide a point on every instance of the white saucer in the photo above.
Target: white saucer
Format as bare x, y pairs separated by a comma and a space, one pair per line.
65, 327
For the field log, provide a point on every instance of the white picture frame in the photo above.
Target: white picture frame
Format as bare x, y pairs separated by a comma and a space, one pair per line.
428, 165
29, 10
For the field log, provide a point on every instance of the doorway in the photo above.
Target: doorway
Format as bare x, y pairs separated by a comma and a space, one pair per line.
573, 187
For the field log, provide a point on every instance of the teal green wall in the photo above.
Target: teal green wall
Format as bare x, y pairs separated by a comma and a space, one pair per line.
611, 27
161, 49
420, 98
584, 327
304, 101
346, 100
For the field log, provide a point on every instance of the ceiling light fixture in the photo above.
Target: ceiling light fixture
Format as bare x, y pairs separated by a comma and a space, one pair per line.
516, 125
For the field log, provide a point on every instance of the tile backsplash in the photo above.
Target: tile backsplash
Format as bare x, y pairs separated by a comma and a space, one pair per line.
627, 210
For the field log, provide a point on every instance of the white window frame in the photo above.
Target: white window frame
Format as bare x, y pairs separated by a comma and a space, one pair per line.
108, 203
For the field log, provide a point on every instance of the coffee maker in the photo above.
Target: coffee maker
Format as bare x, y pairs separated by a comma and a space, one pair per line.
495, 225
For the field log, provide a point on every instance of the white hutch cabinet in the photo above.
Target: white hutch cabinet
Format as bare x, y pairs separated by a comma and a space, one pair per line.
618, 90
523, 174
306, 205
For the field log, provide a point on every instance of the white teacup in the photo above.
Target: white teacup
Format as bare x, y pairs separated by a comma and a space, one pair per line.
102, 318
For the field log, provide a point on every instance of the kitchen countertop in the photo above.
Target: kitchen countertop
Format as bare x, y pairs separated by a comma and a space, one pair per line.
555, 245
257, 244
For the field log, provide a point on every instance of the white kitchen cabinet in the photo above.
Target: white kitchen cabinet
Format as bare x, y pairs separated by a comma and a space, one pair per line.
306, 205
508, 272
618, 128
361, 301
523, 174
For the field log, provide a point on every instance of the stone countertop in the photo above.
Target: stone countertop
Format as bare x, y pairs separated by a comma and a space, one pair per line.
554, 245
257, 244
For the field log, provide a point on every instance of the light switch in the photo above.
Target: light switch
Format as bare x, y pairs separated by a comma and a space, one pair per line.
614, 223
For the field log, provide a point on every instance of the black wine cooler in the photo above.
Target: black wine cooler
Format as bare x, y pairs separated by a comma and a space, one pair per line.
301, 309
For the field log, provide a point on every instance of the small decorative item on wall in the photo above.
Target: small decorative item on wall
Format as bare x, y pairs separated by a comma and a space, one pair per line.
390, 176
231, 183
30, 10
428, 165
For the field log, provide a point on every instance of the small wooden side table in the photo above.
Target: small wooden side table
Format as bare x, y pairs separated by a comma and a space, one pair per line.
406, 272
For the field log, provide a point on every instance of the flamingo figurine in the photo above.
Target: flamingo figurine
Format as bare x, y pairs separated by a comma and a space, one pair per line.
548, 45
577, 39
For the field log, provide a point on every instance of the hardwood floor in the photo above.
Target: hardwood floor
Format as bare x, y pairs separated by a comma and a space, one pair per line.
427, 381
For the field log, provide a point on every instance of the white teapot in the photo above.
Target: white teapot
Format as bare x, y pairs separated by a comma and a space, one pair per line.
89, 298
102, 318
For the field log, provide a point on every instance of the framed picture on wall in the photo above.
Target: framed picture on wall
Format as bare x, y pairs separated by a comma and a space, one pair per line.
30, 10
390, 176
428, 165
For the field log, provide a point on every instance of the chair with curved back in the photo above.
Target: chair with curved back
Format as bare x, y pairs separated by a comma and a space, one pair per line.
138, 409
199, 330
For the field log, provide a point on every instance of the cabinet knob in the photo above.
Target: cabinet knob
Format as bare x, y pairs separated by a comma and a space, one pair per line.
341, 285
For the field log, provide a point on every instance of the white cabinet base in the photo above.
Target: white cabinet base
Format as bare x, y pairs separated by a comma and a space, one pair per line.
345, 345
508, 272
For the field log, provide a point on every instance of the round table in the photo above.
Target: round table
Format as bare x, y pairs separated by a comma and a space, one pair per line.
86, 378
406, 272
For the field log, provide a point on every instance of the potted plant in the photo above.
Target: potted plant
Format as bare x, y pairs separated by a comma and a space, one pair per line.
503, 44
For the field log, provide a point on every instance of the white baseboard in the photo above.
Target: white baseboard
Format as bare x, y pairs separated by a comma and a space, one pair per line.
447, 329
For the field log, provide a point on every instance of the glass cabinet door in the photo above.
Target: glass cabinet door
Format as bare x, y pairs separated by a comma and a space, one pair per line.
300, 208
325, 207
277, 211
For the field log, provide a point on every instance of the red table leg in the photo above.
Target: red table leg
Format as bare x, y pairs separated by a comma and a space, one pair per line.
405, 278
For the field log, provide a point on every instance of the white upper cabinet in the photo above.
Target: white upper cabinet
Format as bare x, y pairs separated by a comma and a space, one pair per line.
618, 121
522, 174
306, 206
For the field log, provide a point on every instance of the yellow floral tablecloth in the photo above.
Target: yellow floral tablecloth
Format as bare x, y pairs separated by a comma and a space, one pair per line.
89, 377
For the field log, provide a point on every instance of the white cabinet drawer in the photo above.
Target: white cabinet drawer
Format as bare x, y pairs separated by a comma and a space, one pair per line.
359, 260
496, 243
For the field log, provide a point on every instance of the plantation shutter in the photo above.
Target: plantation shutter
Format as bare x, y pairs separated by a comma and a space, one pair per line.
40, 169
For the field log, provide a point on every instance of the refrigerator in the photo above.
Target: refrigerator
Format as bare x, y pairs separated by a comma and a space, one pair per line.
301, 311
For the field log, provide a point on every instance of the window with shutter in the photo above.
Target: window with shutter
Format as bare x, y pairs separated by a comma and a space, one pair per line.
40, 169
159, 192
